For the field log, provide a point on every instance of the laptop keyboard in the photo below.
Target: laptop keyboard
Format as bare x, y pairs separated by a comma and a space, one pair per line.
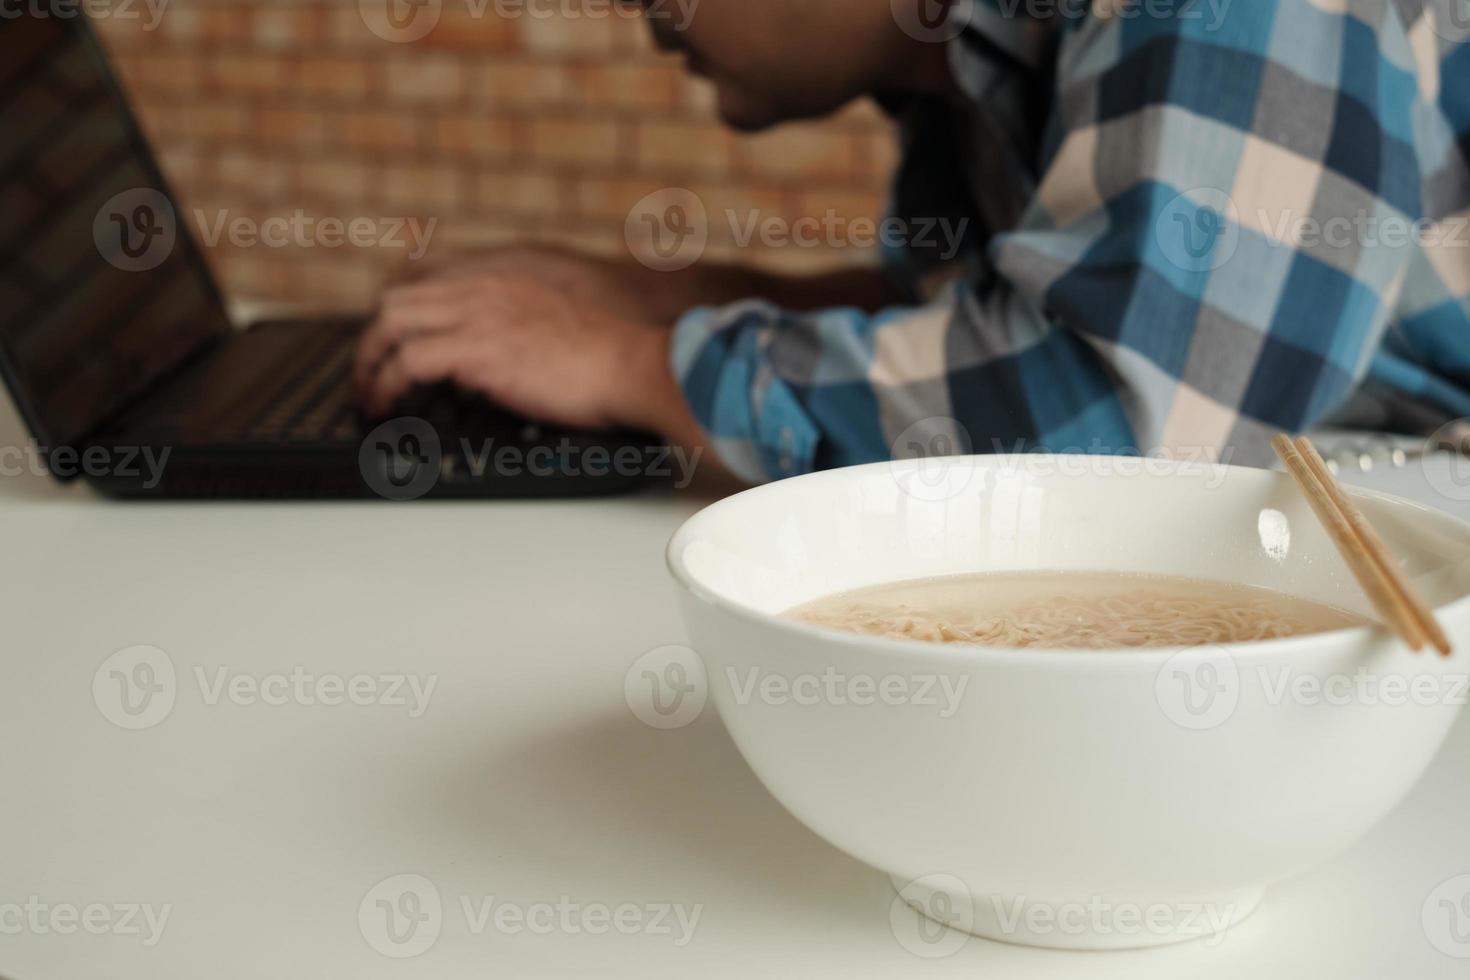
292, 383
316, 402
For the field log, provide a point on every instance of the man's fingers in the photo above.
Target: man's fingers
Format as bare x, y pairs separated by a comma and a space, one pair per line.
422, 360
426, 310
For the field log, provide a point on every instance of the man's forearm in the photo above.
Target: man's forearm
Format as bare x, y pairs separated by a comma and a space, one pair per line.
672, 294
653, 401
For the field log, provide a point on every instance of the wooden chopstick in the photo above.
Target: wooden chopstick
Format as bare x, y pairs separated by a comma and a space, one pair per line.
1360, 546
1377, 550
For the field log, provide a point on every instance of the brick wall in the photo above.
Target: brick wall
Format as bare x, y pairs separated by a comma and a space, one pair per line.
546, 122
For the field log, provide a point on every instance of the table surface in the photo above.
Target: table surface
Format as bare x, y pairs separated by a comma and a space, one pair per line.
264, 830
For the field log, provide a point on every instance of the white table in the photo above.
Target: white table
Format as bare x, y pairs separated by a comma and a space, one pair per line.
263, 828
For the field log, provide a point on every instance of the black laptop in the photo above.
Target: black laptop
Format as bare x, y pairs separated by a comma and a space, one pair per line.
115, 343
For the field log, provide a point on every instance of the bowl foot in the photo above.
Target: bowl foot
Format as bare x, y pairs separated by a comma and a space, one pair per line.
1093, 923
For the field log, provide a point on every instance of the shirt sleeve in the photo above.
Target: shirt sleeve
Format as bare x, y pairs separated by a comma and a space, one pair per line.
1206, 258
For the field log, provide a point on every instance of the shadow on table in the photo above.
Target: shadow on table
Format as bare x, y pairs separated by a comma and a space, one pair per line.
661, 810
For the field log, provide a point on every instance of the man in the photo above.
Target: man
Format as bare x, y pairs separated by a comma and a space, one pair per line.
1188, 226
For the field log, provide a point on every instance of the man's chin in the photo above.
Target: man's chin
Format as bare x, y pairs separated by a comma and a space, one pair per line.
752, 114
748, 115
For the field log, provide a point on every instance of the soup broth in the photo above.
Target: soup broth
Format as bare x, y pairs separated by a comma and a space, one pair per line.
1072, 610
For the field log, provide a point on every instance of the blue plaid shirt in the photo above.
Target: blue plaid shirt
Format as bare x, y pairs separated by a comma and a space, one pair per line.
1183, 233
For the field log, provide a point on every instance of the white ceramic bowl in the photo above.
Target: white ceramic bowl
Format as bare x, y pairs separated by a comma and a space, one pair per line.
1064, 798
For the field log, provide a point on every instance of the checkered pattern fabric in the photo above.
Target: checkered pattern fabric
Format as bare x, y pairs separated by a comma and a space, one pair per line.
1188, 223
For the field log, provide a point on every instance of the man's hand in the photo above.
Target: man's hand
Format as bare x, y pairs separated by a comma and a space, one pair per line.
540, 351
565, 338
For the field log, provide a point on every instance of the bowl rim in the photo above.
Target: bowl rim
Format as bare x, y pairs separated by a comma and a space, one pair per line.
1326, 644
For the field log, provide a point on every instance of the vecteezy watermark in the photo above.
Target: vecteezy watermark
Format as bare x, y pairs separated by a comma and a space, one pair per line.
135, 688
149, 11
1359, 228
36, 917
145, 463
1446, 917
941, 693
1450, 19
670, 229
926, 460
401, 21
404, 459
1199, 230
667, 230
932, 916
931, 21
406, 21
1102, 460
137, 229
1096, 917
1363, 687
1446, 460
138, 688
403, 916
945, 236
940, 21
923, 458
1198, 688
1208, 14
301, 230
667, 687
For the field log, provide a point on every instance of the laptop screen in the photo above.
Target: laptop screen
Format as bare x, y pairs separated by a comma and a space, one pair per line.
101, 290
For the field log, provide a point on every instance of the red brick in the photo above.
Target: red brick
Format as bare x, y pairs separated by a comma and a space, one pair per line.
226, 24
692, 148
480, 136
629, 86
804, 151
343, 278
697, 94
174, 74
506, 82
246, 74
425, 77
335, 180
460, 28
256, 276
180, 25
818, 203
292, 127
505, 127
565, 35
517, 193
214, 121
258, 177
477, 236
590, 141
372, 130
277, 28
879, 154
419, 186
335, 77
613, 197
